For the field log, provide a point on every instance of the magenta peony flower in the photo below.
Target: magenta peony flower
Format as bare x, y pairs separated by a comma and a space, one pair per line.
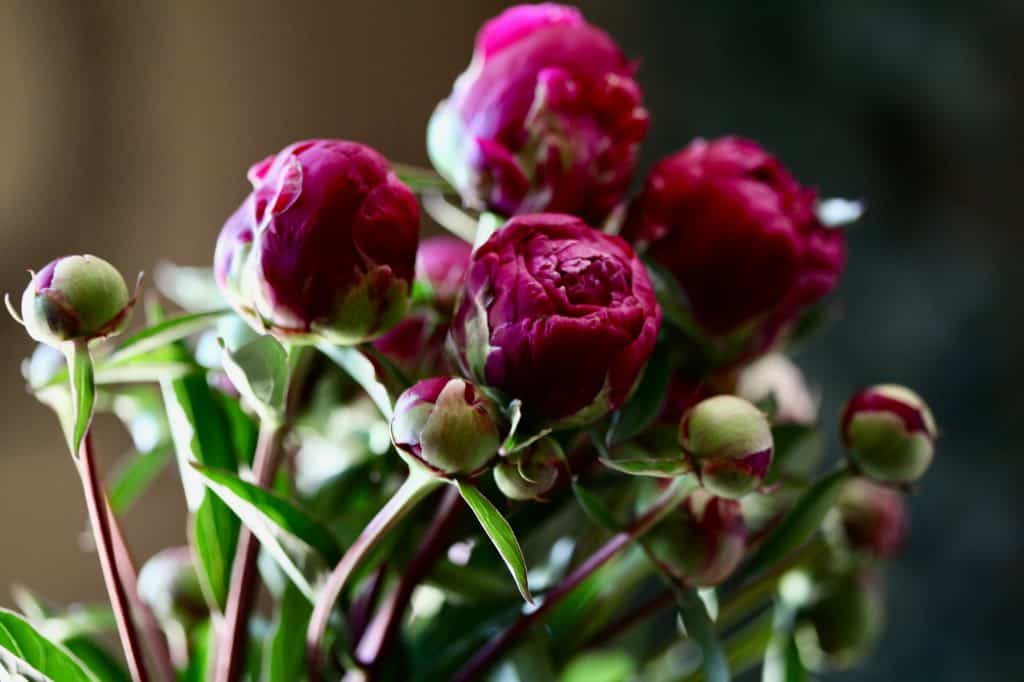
546, 118
558, 315
416, 344
446, 425
738, 233
323, 247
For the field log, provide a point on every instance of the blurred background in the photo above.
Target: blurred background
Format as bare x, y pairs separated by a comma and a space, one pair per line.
126, 129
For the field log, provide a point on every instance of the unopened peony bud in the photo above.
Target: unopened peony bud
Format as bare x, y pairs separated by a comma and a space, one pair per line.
323, 247
531, 473
889, 433
872, 518
546, 118
447, 425
703, 542
558, 315
729, 443
842, 623
75, 298
739, 234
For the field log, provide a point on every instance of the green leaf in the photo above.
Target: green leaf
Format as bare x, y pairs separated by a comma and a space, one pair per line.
516, 439
362, 371
83, 390
302, 547
658, 467
259, 370
500, 533
286, 654
136, 475
421, 180
25, 652
672, 299
164, 333
781, 659
213, 536
600, 666
97, 660
595, 509
203, 644
699, 627
799, 525
641, 410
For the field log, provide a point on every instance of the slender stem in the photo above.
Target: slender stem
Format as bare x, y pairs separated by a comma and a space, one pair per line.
415, 488
638, 615
152, 635
489, 653
382, 630
95, 502
234, 630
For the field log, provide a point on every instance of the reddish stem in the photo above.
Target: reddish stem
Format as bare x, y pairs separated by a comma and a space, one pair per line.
95, 502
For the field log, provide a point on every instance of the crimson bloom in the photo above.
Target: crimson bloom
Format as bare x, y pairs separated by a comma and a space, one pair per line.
323, 247
546, 118
738, 233
558, 315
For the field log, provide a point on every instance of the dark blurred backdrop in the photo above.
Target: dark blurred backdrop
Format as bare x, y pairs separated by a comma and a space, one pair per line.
126, 128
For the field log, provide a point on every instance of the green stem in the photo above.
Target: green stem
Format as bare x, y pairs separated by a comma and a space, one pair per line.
415, 488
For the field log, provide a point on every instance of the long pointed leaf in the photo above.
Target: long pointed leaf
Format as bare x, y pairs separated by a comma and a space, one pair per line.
164, 333
359, 367
83, 389
25, 652
500, 533
699, 626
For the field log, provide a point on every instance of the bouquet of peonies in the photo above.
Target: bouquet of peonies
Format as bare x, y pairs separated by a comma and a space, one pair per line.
566, 444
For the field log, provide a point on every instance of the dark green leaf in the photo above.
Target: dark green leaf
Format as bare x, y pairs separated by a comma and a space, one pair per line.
164, 333
203, 644
214, 538
700, 628
286, 654
136, 474
594, 508
300, 545
97, 660
259, 370
672, 299
243, 429
659, 467
637, 414
500, 533
25, 652
362, 371
83, 389
600, 666
421, 180
799, 525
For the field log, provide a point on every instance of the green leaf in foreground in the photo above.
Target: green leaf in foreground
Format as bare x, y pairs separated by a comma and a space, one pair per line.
600, 666
302, 547
213, 537
362, 371
83, 388
134, 477
637, 414
164, 333
700, 628
25, 652
658, 467
286, 654
259, 370
500, 533
799, 525
97, 660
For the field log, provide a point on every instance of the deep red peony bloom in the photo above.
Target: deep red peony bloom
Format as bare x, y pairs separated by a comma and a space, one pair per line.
558, 315
738, 233
324, 245
546, 118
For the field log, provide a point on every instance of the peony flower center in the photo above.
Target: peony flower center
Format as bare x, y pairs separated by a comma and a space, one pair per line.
585, 275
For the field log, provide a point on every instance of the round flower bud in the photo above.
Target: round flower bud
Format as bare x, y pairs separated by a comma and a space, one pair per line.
775, 377
872, 518
75, 298
889, 433
546, 118
843, 622
729, 443
531, 473
447, 425
703, 542
739, 234
168, 583
416, 344
558, 315
324, 246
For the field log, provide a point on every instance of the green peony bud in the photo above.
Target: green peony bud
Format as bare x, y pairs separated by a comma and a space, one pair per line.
447, 425
729, 443
842, 623
703, 542
75, 298
889, 433
531, 473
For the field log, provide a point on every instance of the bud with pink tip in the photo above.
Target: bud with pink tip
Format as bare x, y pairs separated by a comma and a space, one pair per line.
889, 433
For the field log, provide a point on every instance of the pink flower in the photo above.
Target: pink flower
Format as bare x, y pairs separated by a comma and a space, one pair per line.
738, 233
546, 118
323, 246
558, 315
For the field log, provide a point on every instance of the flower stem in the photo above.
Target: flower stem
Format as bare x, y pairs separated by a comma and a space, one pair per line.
490, 652
382, 630
95, 502
416, 487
